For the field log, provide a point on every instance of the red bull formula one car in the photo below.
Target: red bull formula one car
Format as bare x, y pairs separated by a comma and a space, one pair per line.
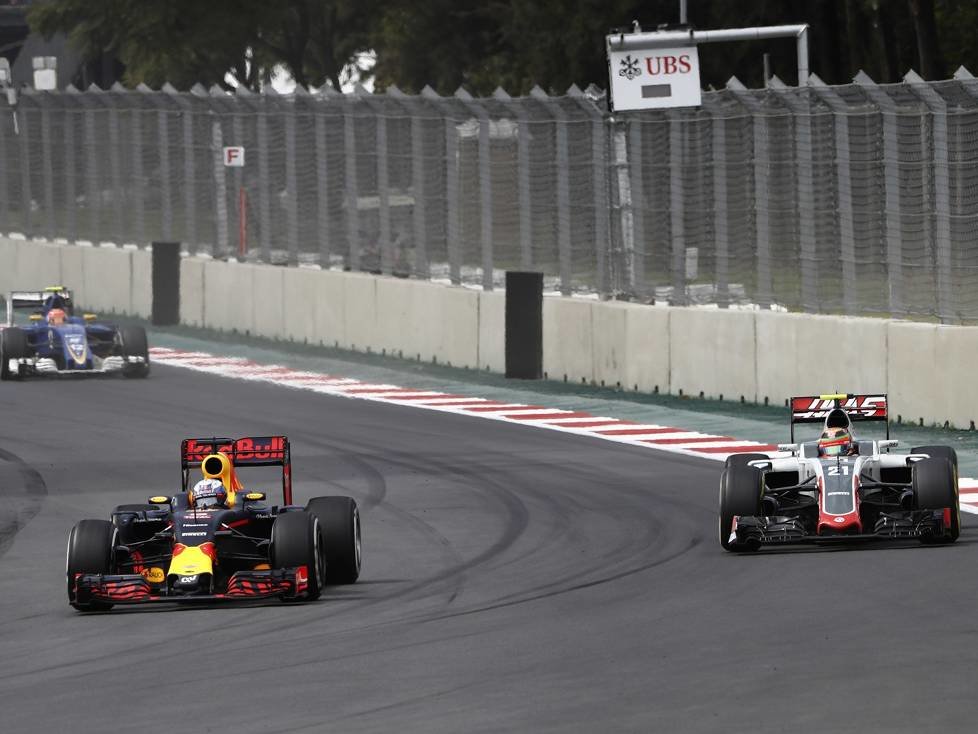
837, 488
239, 547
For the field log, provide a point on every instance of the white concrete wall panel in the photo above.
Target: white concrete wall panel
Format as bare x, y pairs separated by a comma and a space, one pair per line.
492, 331
141, 291
912, 366
647, 362
229, 296
73, 273
268, 283
192, 291
9, 255
568, 339
799, 354
107, 278
951, 386
330, 307
446, 323
713, 352
360, 312
398, 330
299, 289
38, 265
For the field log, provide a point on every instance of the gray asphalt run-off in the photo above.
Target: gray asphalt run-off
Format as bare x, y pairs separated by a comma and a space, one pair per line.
514, 580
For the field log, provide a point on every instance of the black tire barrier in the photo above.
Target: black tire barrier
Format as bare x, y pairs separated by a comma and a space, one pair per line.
524, 325
166, 283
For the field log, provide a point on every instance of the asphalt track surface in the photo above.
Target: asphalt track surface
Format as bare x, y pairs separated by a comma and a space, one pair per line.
514, 580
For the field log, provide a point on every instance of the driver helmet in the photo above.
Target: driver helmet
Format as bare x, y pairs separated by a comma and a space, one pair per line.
56, 316
208, 493
835, 442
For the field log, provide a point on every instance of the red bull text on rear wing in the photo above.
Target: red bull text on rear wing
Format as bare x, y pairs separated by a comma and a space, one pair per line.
250, 451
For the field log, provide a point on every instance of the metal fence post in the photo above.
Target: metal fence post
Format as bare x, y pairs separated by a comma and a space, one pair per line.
166, 170
721, 232
322, 184
71, 168
383, 195
119, 193
634, 236
524, 139
289, 110
138, 184
802, 115
562, 174
44, 101
220, 183
843, 187
600, 163
485, 185
422, 269
352, 190
891, 183
262, 104
942, 194
761, 189
238, 131
452, 235
6, 134
26, 199
677, 207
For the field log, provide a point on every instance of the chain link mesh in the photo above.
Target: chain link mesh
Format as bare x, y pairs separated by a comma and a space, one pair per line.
857, 199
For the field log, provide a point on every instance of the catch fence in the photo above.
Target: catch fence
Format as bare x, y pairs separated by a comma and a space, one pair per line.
859, 199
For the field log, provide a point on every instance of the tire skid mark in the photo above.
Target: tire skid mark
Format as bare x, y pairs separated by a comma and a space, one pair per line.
35, 490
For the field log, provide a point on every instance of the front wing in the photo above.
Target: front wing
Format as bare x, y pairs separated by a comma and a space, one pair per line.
751, 532
284, 583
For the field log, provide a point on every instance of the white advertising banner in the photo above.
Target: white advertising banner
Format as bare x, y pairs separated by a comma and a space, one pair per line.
655, 78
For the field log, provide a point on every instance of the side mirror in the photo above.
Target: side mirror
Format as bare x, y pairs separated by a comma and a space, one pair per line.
760, 464
90, 317
888, 444
254, 496
789, 447
159, 499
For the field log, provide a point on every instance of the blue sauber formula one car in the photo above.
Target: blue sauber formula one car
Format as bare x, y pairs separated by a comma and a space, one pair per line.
52, 340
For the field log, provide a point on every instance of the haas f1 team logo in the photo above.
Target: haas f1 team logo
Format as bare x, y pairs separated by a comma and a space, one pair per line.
857, 406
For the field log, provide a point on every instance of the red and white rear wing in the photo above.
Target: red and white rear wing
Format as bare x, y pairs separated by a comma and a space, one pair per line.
816, 408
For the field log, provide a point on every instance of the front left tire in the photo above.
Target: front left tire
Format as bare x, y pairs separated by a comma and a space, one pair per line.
89, 551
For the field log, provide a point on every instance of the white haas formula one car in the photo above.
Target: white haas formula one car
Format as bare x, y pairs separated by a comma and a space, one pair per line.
837, 488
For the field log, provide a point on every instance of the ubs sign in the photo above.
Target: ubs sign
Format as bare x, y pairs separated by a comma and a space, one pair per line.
654, 78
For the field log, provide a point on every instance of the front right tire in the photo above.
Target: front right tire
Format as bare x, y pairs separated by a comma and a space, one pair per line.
340, 519
13, 345
297, 540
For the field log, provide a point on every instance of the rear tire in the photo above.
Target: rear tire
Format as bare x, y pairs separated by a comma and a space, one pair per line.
89, 551
741, 488
935, 487
297, 540
340, 520
13, 345
134, 344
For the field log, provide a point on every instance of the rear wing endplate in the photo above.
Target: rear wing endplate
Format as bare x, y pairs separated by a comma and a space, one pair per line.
243, 452
859, 408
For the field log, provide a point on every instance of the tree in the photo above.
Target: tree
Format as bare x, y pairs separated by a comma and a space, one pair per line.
187, 41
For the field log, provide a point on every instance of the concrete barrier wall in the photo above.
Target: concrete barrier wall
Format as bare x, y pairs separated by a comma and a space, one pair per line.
568, 349
759, 355
713, 353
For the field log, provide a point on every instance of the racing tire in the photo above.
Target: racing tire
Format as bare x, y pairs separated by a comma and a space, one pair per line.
935, 487
89, 551
741, 488
938, 452
134, 344
13, 345
340, 520
742, 459
297, 540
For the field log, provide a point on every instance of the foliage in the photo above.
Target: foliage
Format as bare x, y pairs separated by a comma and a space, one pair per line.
484, 44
